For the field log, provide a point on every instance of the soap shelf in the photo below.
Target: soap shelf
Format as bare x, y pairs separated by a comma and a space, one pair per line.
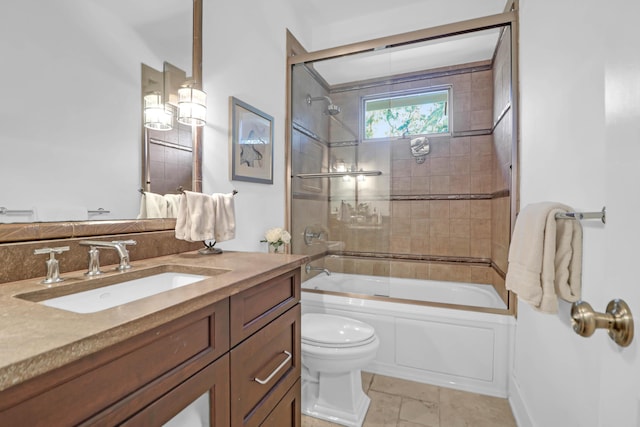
337, 174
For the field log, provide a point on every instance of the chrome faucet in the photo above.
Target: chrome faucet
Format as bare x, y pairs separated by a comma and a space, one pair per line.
120, 247
308, 268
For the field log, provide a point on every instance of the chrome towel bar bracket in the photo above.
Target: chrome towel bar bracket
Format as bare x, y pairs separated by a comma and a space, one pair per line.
602, 215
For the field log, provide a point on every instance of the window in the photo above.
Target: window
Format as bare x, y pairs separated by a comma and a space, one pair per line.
419, 113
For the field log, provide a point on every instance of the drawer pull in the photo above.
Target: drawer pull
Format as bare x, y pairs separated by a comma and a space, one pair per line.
266, 380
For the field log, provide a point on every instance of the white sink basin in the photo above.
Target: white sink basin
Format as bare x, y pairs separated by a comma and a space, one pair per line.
110, 296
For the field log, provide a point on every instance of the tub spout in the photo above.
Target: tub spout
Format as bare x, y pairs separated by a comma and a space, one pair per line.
308, 268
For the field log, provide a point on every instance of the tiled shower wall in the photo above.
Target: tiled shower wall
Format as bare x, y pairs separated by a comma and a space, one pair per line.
436, 216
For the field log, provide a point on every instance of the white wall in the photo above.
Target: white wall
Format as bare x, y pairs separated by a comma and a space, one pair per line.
70, 107
244, 56
568, 155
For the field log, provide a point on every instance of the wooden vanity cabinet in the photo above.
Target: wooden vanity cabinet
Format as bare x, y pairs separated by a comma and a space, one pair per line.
265, 360
112, 385
148, 379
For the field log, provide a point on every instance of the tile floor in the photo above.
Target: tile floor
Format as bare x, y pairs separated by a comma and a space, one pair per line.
402, 403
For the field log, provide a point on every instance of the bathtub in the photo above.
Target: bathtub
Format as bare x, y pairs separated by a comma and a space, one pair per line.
439, 345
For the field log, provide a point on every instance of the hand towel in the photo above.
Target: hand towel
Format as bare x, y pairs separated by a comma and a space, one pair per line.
173, 203
545, 257
195, 219
224, 217
60, 213
152, 205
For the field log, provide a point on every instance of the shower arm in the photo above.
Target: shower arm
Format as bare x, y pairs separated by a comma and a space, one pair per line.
310, 99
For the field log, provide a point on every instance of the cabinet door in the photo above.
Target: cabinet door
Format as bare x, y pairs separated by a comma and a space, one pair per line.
288, 411
214, 379
263, 368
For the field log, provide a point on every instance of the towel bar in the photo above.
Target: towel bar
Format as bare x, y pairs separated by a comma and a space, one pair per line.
584, 215
98, 211
5, 211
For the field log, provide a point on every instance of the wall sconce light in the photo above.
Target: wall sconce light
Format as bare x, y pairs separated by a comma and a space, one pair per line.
192, 106
156, 115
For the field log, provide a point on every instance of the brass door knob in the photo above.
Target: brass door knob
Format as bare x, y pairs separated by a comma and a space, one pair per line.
617, 319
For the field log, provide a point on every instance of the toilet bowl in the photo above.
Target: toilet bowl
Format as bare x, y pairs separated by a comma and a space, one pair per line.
334, 349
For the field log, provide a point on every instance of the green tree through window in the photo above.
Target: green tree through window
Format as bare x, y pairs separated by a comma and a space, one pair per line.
414, 114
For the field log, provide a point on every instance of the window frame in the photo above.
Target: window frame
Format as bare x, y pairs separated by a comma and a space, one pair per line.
408, 92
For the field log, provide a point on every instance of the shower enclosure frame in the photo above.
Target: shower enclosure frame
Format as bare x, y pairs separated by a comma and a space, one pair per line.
296, 54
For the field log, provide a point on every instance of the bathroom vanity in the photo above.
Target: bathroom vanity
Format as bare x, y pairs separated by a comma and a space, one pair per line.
232, 340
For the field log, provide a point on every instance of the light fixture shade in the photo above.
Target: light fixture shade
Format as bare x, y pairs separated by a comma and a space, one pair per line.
156, 116
192, 106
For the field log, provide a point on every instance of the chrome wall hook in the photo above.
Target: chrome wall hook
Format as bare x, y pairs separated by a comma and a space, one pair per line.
617, 319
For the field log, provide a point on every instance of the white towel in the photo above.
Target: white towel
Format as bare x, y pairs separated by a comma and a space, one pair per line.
224, 217
61, 213
173, 203
195, 217
545, 257
152, 205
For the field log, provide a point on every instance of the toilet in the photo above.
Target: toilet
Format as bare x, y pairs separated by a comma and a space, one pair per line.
334, 349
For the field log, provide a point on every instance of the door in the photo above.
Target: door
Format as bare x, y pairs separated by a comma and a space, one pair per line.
620, 367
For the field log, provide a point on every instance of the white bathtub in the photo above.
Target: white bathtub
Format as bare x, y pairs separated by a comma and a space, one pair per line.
411, 289
461, 349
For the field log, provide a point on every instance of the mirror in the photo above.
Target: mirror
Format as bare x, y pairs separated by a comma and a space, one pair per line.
72, 115
167, 143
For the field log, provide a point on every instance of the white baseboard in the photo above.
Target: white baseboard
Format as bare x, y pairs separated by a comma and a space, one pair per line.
518, 405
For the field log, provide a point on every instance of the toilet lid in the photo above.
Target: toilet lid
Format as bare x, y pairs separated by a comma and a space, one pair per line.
327, 330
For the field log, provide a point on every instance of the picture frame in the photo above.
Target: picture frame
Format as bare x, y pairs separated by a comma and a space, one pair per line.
251, 155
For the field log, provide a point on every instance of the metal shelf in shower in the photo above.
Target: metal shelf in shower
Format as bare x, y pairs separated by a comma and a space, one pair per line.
337, 174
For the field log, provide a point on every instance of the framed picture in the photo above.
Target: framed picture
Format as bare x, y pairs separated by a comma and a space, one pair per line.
251, 143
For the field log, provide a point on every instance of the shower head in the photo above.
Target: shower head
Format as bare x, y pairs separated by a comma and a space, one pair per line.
332, 109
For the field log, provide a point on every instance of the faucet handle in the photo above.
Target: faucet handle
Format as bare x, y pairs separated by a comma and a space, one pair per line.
51, 251
125, 242
53, 267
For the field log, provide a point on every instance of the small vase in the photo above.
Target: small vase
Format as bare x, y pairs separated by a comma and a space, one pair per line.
276, 249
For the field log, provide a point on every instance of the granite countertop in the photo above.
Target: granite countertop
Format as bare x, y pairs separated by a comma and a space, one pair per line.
35, 338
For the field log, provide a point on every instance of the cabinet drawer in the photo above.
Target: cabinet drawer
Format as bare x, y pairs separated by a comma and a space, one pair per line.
288, 413
255, 307
270, 356
133, 372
